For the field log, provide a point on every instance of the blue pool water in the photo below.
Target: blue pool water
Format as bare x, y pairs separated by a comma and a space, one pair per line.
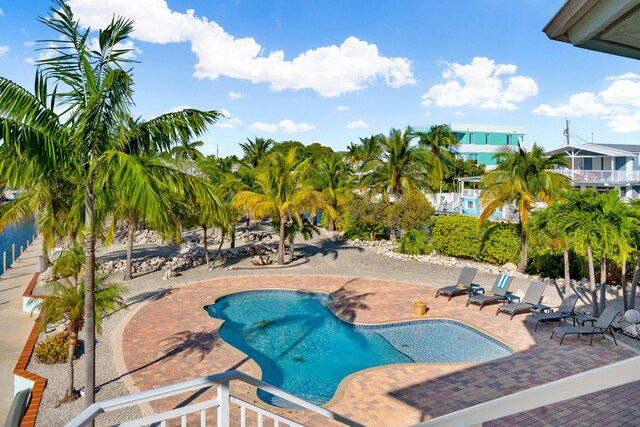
303, 348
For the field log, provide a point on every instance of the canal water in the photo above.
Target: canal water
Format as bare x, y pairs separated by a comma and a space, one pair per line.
17, 234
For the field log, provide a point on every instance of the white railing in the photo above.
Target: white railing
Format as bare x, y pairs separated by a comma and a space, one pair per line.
222, 404
601, 176
581, 384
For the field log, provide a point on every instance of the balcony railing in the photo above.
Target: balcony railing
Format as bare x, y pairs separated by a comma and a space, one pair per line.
596, 176
472, 193
222, 405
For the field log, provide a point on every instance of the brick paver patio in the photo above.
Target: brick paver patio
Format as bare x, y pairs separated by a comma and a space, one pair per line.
171, 338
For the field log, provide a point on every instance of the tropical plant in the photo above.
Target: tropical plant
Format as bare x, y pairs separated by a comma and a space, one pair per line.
66, 302
414, 242
331, 176
596, 221
404, 169
440, 142
292, 228
70, 263
522, 177
187, 151
543, 231
256, 150
86, 144
282, 193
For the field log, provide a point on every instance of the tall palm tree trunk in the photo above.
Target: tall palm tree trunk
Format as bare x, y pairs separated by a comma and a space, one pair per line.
332, 226
634, 286
283, 218
206, 248
623, 283
567, 274
89, 309
291, 248
592, 283
603, 283
128, 269
522, 268
71, 392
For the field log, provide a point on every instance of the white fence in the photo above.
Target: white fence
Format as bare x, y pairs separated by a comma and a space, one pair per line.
222, 404
601, 175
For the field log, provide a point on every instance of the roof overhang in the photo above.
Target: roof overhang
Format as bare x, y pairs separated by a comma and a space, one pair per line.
610, 26
589, 150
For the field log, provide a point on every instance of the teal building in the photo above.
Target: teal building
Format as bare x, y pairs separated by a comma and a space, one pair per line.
481, 142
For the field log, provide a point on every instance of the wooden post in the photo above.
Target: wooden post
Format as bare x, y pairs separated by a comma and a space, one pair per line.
4, 261
20, 249
13, 253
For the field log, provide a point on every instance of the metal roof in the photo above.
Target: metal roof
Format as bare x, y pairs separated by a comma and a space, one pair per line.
609, 150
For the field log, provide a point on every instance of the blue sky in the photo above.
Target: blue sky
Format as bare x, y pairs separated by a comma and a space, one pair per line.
335, 70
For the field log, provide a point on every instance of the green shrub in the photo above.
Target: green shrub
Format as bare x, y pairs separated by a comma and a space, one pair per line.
459, 236
54, 349
414, 242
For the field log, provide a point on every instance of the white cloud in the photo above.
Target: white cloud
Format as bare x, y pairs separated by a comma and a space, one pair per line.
625, 122
329, 70
624, 92
458, 113
290, 126
580, 105
287, 126
342, 108
29, 44
1, 12
179, 108
29, 60
483, 84
358, 124
235, 95
624, 76
228, 121
263, 127
3, 50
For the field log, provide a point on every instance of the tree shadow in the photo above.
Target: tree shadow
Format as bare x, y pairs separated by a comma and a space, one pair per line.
346, 302
324, 247
182, 344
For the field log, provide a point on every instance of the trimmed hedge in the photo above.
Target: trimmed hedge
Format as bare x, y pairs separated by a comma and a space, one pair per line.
459, 236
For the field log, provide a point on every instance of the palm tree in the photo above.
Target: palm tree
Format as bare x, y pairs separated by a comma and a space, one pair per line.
404, 168
596, 221
439, 141
256, 150
522, 177
543, 230
65, 302
70, 263
187, 151
292, 229
332, 177
353, 154
282, 193
95, 102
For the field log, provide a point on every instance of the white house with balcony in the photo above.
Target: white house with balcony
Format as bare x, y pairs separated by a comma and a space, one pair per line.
603, 167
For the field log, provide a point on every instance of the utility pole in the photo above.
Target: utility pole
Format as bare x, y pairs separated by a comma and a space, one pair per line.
217, 151
566, 130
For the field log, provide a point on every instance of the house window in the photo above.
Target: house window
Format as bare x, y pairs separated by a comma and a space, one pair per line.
509, 139
472, 156
487, 139
471, 138
470, 204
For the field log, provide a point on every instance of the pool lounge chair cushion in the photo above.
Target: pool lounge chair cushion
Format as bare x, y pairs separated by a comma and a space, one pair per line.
565, 311
531, 298
462, 286
602, 325
495, 295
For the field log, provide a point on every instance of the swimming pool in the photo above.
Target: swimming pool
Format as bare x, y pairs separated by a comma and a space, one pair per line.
304, 349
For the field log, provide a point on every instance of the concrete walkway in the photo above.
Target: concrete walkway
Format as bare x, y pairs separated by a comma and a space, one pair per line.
15, 324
